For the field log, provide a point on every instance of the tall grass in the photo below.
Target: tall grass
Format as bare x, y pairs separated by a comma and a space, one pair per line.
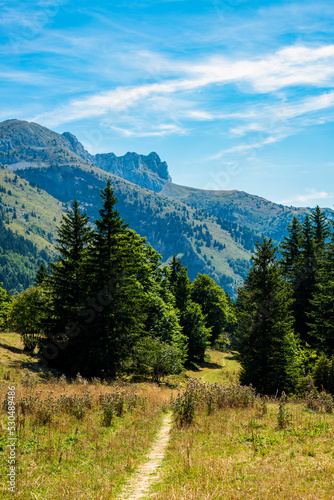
77, 439
236, 445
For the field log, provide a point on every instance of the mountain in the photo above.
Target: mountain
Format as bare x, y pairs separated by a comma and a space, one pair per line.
28, 221
213, 231
29, 145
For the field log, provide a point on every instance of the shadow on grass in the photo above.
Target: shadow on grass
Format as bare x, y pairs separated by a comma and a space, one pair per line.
231, 357
196, 367
14, 349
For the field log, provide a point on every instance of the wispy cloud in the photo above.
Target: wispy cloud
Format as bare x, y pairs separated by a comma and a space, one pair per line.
310, 195
290, 66
158, 131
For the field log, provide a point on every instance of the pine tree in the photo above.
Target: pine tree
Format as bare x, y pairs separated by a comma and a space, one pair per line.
41, 275
291, 249
67, 279
267, 346
116, 295
320, 228
66, 286
304, 285
321, 316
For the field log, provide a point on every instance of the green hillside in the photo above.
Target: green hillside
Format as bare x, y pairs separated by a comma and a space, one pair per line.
28, 221
213, 231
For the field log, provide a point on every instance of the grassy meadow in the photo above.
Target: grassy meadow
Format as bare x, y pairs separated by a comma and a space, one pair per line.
84, 440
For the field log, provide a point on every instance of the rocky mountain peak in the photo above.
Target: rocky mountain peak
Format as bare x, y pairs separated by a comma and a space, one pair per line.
77, 147
24, 144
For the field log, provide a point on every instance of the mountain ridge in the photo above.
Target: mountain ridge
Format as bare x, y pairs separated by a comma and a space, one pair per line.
213, 231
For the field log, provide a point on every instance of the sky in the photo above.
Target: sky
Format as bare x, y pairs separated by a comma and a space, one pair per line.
233, 94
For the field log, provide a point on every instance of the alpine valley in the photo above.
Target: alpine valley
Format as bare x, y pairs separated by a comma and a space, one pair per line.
42, 172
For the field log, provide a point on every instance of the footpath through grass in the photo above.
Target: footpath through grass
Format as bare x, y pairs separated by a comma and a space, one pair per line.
75, 440
85, 440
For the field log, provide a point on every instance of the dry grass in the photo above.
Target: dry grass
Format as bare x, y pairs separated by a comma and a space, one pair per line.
239, 454
64, 454
231, 453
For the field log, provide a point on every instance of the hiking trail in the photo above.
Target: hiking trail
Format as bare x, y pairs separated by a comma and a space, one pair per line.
146, 474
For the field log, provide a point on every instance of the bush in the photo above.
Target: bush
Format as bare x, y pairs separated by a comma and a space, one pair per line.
26, 316
158, 358
209, 397
320, 403
116, 404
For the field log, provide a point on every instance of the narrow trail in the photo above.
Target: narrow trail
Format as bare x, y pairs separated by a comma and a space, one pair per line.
146, 475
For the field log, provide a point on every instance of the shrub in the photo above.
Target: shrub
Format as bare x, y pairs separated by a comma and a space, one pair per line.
320, 403
283, 415
205, 396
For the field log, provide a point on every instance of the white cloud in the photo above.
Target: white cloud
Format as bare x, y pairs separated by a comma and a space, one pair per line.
158, 131
295, 65
310, 195
246, 147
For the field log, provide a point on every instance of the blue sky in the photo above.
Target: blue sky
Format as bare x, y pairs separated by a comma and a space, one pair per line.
232, 94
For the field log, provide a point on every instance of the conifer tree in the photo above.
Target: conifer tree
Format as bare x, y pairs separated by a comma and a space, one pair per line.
41, 275
67, 281
66, 286
268, 350
291, 249
320, 228
321, 316
116, 295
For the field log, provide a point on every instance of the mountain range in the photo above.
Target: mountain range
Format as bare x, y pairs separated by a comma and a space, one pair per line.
214, 232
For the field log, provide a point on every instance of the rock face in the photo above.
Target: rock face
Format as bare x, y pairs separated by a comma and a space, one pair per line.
146, 171
24, 145
77, 147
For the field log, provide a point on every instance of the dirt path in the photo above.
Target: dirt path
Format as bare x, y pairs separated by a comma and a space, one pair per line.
146, 475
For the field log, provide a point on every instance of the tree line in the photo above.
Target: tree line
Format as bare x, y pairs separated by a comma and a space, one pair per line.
108, 306
285, 333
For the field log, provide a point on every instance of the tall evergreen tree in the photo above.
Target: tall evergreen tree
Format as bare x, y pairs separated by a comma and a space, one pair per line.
320, 228
67, 280
66, 284
304, 285
321, 316
291, 249
41, 275
116, 316
266, 342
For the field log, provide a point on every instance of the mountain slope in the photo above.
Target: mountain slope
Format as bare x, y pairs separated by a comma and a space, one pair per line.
28, 221
213, 231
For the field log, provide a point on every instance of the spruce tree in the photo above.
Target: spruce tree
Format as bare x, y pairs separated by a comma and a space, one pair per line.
115, 313
320, 228
321, 316
267, 346
67, 279
291, 249
41, 275
67, 287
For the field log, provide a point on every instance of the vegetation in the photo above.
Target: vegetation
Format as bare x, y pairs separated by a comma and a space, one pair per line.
77, 439
107, 311
107, 307
249, 448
